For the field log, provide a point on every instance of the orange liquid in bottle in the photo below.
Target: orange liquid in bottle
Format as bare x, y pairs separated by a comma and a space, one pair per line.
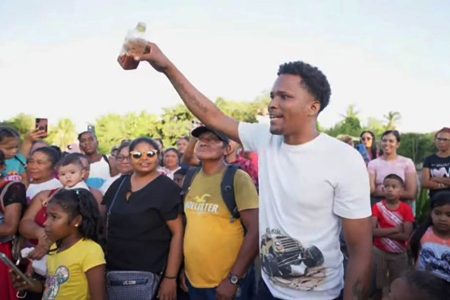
127, 62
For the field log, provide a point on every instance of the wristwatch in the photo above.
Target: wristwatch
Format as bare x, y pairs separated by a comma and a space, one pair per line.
234, 279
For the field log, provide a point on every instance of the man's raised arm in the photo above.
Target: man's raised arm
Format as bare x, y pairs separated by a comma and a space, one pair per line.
203, 108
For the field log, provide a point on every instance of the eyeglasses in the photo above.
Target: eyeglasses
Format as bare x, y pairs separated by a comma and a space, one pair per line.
138, 155
442, 139
366, 138
122, 158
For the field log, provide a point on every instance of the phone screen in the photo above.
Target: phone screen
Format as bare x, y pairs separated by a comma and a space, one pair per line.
41, 124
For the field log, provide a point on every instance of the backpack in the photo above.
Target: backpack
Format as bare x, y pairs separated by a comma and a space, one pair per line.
226, 187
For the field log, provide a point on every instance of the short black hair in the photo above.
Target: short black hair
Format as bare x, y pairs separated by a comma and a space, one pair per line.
315, 82
395, 177
85, 132
144, 140
432, 286
71, 158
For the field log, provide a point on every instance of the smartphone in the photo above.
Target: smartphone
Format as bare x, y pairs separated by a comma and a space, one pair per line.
16, 270
41, 124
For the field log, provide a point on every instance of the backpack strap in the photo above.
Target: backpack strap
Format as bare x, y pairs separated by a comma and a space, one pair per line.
6, 185
107, 161
227, 188
187, 181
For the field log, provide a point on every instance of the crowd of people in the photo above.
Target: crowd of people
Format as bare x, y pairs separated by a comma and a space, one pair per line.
188, 222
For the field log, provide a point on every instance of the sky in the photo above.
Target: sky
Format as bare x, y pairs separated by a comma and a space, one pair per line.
58, 58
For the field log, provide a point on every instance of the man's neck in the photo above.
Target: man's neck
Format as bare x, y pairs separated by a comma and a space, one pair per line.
302, 137
94, 157
213, 167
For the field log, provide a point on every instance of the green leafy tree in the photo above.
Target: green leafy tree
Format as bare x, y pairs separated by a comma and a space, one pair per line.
241, 111
109, 131
23, 123
175, 122
351, 125
376, 126
63, 134
112, 129
416, 146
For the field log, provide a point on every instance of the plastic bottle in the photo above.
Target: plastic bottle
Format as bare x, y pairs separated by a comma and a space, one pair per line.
134, 40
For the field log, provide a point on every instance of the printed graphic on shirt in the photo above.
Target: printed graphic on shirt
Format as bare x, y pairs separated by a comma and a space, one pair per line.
393, 218
53, 283
288, 263
440, 170
13, 176
200, 204
436, 259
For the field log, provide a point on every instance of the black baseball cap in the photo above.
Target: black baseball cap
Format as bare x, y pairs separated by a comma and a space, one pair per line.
202, 129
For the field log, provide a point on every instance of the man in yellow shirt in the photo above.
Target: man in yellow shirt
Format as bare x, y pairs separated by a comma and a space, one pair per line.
217, 250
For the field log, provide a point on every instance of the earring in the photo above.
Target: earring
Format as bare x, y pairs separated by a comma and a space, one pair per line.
76, 225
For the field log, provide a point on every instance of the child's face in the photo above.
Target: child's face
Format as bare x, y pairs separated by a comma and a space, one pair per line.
59, 224
70, 175
10, 147
393, 189
441, 218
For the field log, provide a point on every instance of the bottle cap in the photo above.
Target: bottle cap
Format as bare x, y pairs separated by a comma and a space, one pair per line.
140, 27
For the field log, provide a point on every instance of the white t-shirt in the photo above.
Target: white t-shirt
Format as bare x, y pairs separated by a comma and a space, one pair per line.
99, 173
35, 188
304, 189
105, 186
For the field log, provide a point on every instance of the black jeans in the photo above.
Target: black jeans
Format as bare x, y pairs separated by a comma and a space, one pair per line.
264, 292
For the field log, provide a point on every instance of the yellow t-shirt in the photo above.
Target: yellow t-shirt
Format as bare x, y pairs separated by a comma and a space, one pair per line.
66, 278
211, 241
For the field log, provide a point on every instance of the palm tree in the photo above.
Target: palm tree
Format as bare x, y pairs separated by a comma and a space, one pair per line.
351, 112
392, 119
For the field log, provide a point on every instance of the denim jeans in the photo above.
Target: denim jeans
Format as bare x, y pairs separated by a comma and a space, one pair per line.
246, 289
201, 293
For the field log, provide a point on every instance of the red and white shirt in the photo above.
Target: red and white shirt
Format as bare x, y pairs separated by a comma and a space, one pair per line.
388, 218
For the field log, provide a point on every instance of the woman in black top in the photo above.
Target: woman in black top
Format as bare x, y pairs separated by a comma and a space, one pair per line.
436, 168
144, 225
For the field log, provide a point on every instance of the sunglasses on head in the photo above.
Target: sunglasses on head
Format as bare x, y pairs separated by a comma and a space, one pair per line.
138, 155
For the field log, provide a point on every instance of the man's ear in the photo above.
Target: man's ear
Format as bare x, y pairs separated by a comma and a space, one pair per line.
314, 108
228, 148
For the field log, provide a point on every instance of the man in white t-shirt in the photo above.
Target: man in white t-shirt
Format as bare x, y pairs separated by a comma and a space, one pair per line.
100, 170
311, 186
